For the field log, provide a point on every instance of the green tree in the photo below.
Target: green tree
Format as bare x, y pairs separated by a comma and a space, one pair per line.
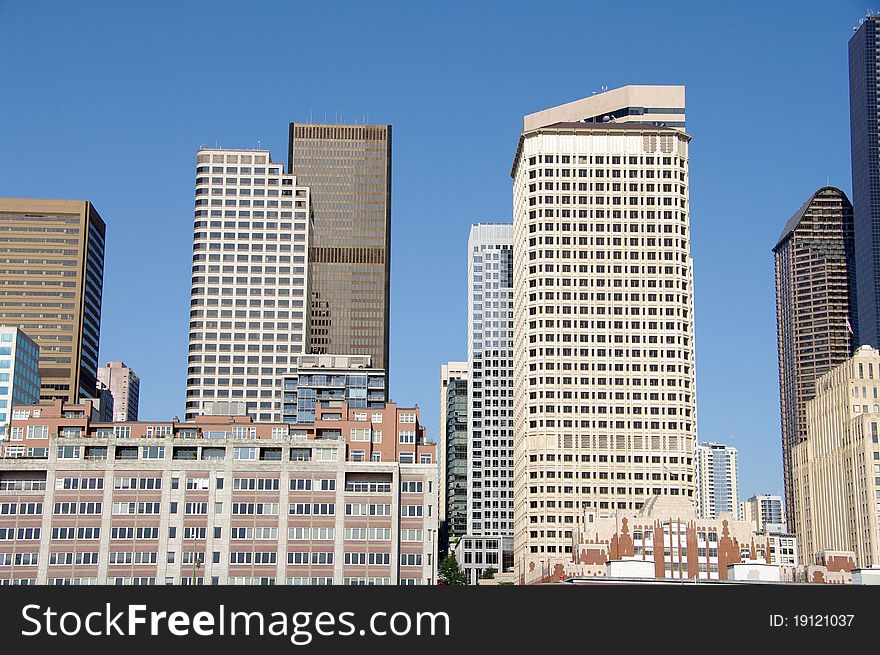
451, 572
489, 574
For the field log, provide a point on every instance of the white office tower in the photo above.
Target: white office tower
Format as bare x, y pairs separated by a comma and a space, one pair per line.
604, 380
249, 282
490, 398
717, 481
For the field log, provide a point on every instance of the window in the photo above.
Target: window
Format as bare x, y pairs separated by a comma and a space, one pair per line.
407, 418
244, 453
37, 432
152, 452
407, 436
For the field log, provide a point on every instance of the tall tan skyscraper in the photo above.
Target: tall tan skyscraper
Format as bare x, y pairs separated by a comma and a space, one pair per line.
815, 310
348, 170
51, 282
836, 468
603, 324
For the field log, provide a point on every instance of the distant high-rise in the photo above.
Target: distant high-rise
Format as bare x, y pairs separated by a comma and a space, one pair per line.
864, 101
603, 334
452, 451
248, 317
124, 386
815, 309
51, 284
348, 170
717, 481
764, 511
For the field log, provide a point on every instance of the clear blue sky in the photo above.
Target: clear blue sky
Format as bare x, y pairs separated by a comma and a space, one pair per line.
109, 102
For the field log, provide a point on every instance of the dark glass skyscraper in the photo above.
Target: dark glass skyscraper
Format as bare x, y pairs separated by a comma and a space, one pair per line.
348, 171
815, 310
864, 60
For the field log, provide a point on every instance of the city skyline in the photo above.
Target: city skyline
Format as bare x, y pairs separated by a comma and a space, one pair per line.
421, 340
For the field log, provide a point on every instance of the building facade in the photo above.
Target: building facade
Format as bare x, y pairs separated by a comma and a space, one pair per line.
604, 379
666, 535
864, 93
51, 285
317, 378
836, 469
248, 307
453, 452
763, 510
125, 388
490, 385
348, 169
816, 318
19, 373
220, 500
717, 481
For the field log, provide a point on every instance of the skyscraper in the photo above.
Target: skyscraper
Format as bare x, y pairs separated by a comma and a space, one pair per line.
864, 94
248, 320
717, 481
603, 364
815, 309
125, 388
19, 373
51, 284
490, 392
348, 170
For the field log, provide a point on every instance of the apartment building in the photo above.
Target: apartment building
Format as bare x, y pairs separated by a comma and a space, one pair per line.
603, 335
124, 386
763, 510
51, 285
717, 481
248, 307
836, 469
349, 499
317, 378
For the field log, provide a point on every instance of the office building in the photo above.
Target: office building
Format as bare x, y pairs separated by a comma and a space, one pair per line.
125, 388
348, 169
319, 378
764, 511
19, 373
836, 469
453, 452
815, 309
603, 364
864, 94
220, 500
51, 284
490, 385
717, 481
248, 314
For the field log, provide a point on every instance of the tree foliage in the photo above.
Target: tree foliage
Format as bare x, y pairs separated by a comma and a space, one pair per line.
451, 572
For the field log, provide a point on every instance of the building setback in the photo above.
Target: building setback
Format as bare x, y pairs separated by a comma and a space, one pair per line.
717, 481
864, 93
815, 309
125, 389
51, 284
348, 169
248, 314
836, 469
220, 500
603, 365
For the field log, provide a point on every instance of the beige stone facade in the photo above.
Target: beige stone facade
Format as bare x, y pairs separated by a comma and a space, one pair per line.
836, 470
